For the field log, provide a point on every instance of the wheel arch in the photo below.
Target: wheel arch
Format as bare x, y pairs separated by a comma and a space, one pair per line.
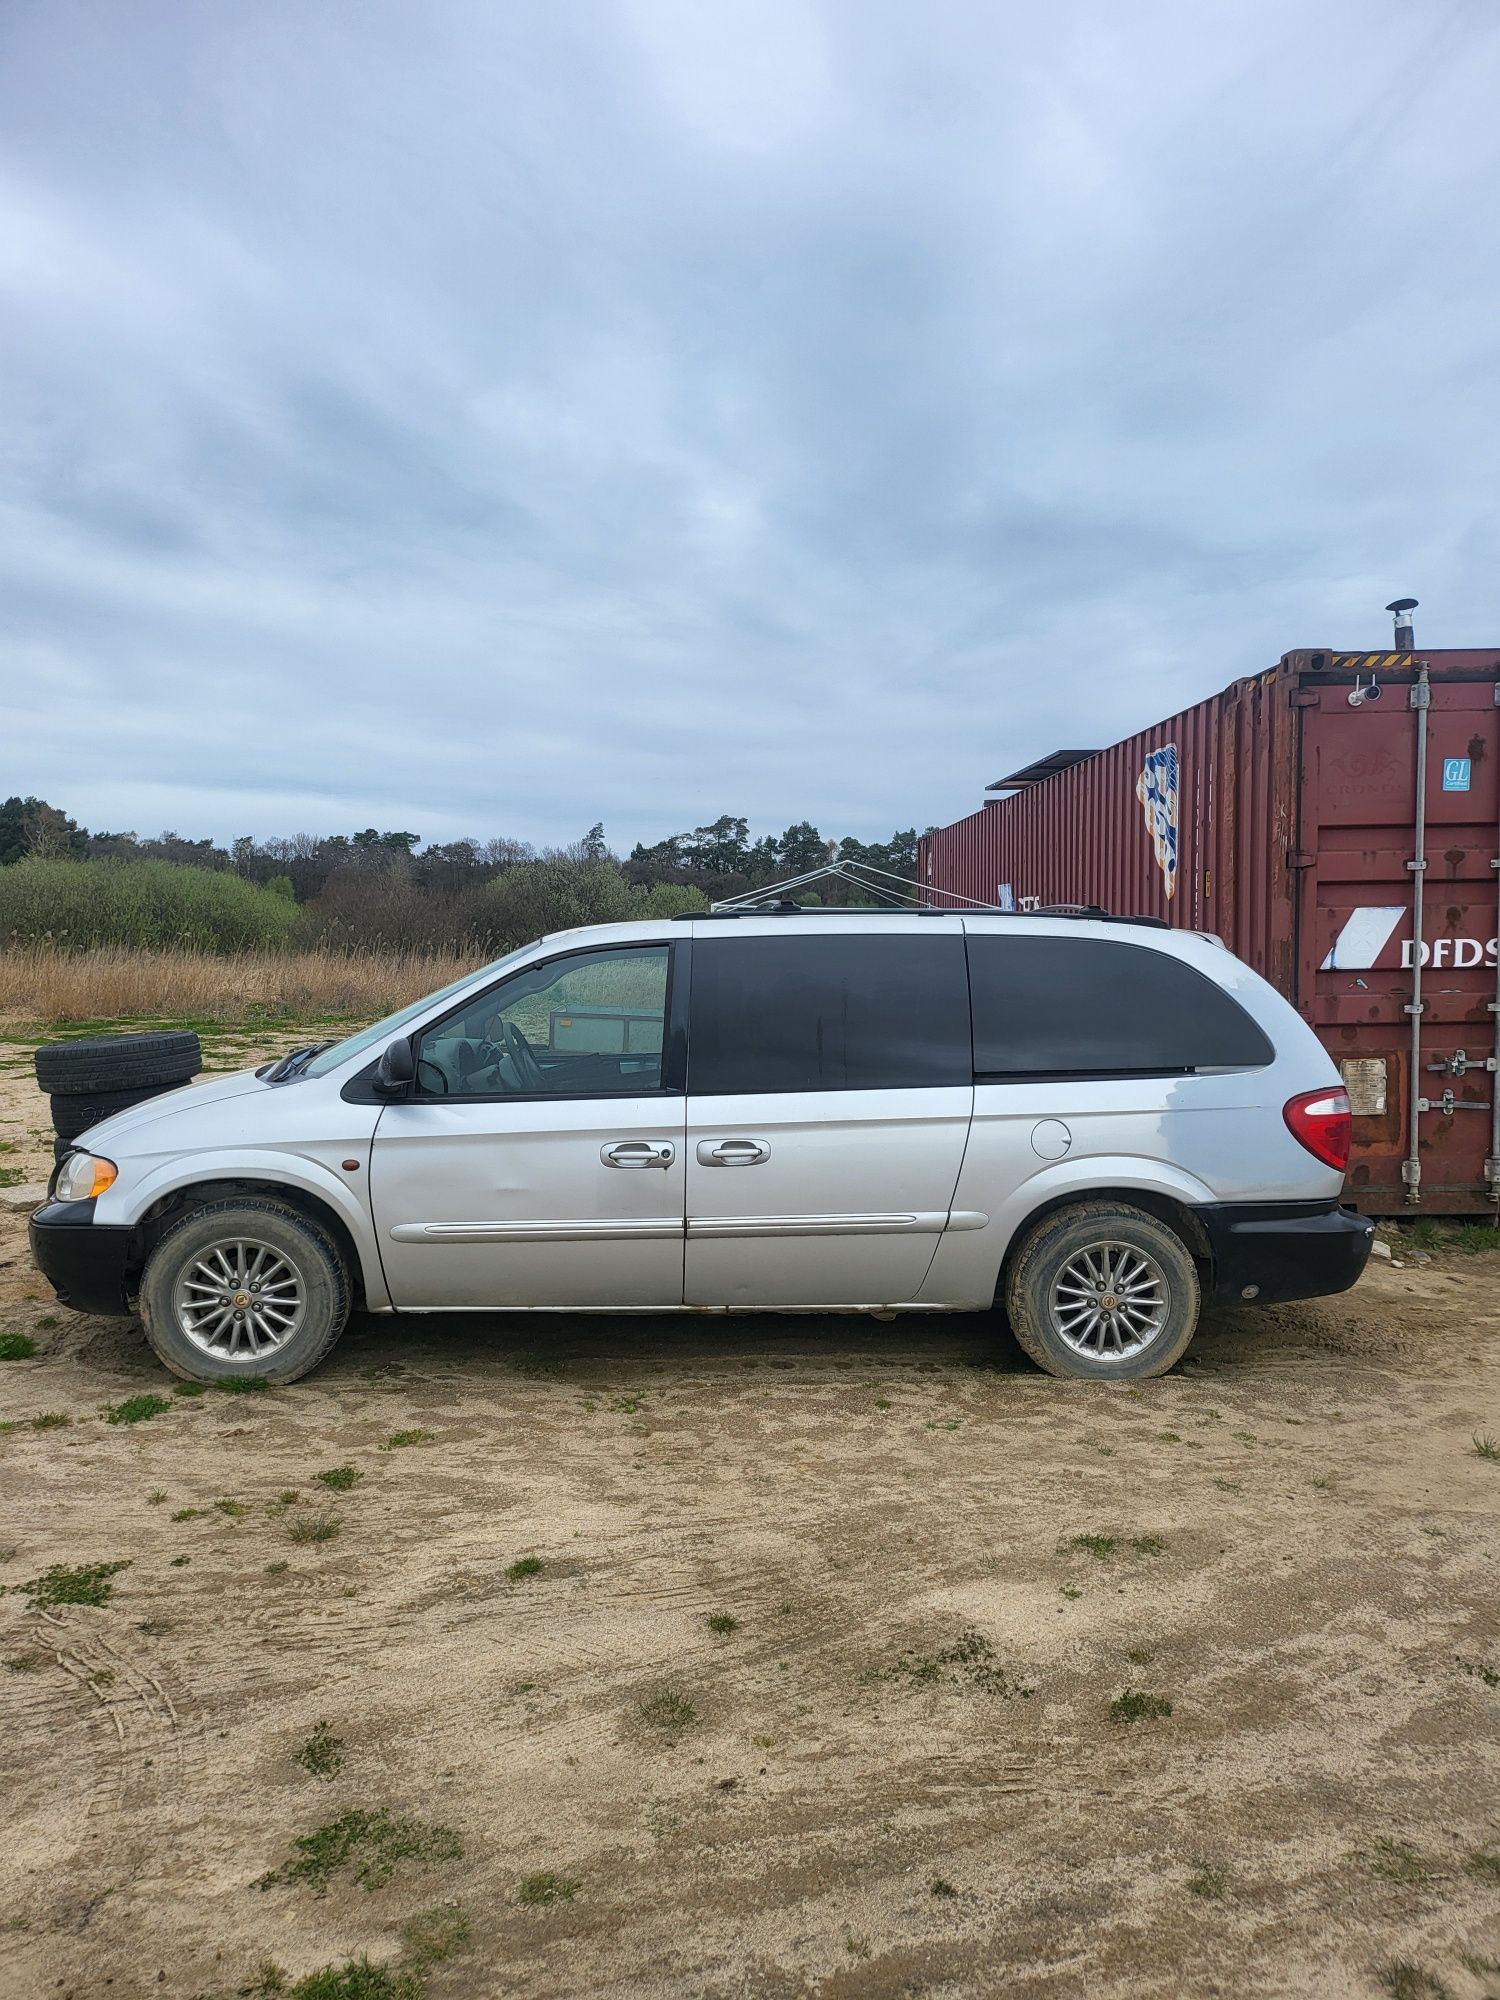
190, 1196
1177, 1214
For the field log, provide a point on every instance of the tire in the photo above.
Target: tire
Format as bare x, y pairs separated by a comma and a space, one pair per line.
72, 1115
293, 1244
118, 1062
1157, 1266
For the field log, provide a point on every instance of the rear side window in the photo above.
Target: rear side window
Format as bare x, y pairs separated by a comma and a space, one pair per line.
827, 1013
1049, 1006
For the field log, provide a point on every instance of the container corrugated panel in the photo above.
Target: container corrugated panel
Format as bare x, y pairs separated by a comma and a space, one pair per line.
1278, 815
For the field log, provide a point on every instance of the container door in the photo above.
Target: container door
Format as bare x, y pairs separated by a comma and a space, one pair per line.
1357, 953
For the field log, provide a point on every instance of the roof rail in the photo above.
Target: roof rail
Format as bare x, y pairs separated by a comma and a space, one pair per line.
1084, 912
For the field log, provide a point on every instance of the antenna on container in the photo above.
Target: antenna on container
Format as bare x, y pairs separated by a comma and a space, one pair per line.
1401, 609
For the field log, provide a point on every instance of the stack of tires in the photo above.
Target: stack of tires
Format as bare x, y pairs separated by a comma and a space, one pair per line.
92, 1080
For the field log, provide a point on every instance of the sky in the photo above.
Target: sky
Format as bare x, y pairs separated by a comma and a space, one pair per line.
491, 419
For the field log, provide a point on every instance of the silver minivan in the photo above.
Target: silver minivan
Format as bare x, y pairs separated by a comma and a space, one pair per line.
1095, 1124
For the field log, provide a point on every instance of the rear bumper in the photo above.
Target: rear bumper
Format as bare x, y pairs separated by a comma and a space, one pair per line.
1265, 1251
90, 1266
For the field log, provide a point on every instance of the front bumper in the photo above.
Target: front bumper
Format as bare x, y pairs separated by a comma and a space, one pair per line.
90, 1266
1267, 1251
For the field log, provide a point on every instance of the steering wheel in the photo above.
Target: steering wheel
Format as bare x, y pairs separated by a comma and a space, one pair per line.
526, 1066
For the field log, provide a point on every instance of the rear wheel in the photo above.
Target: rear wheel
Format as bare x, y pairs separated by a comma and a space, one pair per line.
1103, 1292
244, 1288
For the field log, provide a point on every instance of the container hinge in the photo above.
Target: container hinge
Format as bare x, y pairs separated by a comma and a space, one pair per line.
1421, 695
1447, 1104
1303, 861
1415, 1007
1311, 698
1492, 1177
1416, 867
1411, 1174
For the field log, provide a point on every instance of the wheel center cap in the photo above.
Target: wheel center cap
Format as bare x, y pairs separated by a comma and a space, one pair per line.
1109, 1302
241, 1301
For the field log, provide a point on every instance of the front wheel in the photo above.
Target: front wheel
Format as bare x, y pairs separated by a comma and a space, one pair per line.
244, 1289
1103, 1292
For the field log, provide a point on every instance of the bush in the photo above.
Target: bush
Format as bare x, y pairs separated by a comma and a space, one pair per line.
145, 904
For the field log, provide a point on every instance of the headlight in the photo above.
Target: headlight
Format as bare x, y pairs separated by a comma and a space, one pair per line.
83, 1176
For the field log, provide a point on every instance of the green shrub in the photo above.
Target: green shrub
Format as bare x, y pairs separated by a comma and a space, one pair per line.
145, 904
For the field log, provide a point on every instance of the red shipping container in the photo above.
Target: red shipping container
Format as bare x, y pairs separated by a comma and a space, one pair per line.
1304, 815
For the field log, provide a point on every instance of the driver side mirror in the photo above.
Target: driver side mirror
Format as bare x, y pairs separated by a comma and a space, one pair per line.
395, 1071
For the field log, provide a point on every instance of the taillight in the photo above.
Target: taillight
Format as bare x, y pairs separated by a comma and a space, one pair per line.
1319, 1120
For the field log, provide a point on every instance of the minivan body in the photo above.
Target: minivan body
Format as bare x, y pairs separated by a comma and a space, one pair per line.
786, 1111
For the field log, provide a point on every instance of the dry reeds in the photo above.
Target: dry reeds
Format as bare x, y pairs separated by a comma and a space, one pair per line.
50, 988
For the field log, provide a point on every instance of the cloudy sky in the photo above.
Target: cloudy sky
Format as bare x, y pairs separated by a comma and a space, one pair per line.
489, 416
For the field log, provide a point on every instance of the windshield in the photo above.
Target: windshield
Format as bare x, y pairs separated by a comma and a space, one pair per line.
379, 1031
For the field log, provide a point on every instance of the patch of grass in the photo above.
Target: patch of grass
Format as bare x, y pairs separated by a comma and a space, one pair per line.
1169, 1437
277, 1568
546, 1887
235, 1509
1133, 1706
525, 1566
11, 1177
399, 1440
969, 1662
314, 1528
156, 1496
669, 1712
722, 1622
1139, 1656
323, 1753
243, 1385
1069, 1590
883, 1403
47, 1322
287, 1497
340, 1477
939, 1886
1404, 1979
1483, 1863
1479, 1962
1229, 1486
1486, 1446
1394, 1861
189, 1513
626, 1405
1208, 1881
187, 1390
180, 1562
371, 1845
135, 1409
1480, 1671
24, 1663
1100, 1547
88, 1584
432, 1936
356, 1979
1148, 1545
51, 1420
16, 1347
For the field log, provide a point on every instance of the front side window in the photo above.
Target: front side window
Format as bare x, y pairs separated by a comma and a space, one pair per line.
1053, 1006
820, 1012
592, 1024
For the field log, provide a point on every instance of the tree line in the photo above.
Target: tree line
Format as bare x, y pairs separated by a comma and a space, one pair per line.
377, 888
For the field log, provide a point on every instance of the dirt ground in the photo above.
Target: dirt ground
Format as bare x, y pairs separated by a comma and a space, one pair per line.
927, 1749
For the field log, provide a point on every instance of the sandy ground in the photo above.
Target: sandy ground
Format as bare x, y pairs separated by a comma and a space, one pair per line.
898, 1773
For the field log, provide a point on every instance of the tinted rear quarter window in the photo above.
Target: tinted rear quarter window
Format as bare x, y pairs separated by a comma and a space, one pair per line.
828, 1013
1054, 1006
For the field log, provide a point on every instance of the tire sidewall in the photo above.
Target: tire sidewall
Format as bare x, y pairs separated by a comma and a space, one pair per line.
1060, 1238
318, 1263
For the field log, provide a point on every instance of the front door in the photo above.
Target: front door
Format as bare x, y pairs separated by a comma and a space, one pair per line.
540, 1159
830, 1092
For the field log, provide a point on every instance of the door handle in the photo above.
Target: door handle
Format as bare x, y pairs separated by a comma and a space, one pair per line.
638, 1153
732, 1152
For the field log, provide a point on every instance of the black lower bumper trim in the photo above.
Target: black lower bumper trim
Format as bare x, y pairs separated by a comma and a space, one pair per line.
1265, 1251
89, 1265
